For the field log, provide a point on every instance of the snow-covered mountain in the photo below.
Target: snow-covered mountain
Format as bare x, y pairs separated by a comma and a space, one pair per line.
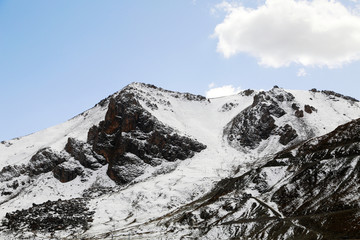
148, 163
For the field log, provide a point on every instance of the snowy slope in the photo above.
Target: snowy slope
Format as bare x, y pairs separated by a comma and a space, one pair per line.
20, 150
141, 204
205, 121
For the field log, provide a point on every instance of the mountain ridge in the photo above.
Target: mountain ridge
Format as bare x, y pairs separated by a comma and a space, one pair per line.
144, 152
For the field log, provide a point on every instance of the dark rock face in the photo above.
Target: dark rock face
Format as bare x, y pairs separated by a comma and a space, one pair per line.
318, 200
248, 92
67, 172
10, 172
299, 113
228, 107
44, 161
131, 138
287, 134
328, 176
295, 106
251, 133
309, 109
51, 216
10, 187
341, 142
257, 123
84, 154
333, 94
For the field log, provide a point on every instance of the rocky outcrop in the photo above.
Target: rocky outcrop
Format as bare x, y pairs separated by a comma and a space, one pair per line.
287, 134
83, 152
295, 106
341, 142
299, 113
60, 163
247, 92
9, 172
51, 216
131, 139
309, 109
257, 122
67, 172
308, 191
228, 107
333, 94
325, 183
44, 161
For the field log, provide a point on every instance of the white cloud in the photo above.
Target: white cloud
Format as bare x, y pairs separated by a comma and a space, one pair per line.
281, 32
302, 72
226, 90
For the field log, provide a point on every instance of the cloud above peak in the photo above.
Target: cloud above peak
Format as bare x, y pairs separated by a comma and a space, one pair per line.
281, 32
222, 91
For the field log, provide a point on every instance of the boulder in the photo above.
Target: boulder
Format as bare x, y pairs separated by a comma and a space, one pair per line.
67, 172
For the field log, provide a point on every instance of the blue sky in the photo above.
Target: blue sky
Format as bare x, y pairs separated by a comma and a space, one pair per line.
59, 58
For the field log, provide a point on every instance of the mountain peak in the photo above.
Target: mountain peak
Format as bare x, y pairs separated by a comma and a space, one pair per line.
170, 161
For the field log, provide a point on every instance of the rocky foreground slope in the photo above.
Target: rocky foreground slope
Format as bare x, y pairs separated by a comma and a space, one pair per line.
149, 163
